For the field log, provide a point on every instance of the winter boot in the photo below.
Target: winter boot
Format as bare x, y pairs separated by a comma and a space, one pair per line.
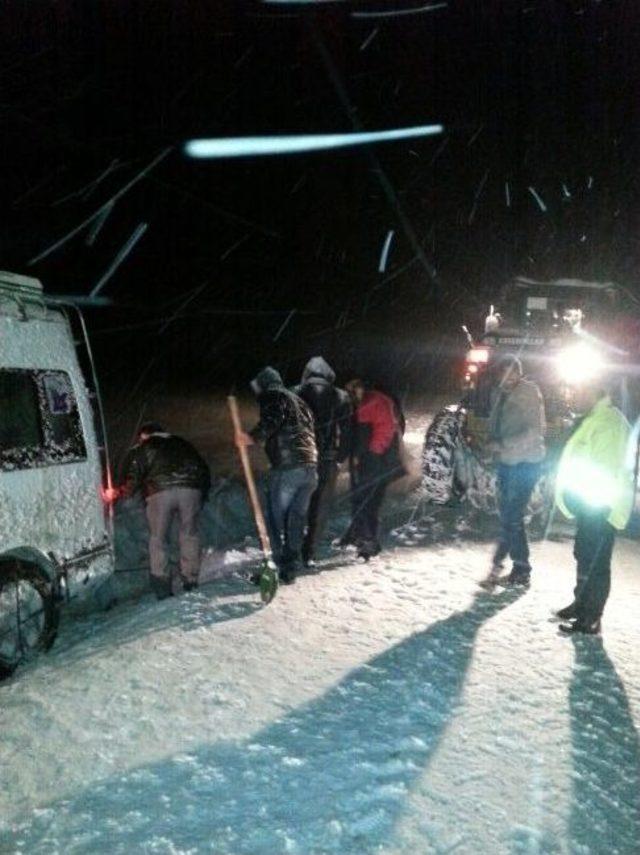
581, 626
520, 576
492, 578
368, 549
189, 586
567, 613
161, 587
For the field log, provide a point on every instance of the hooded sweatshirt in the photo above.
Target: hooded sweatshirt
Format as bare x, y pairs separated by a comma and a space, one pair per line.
331, 408
285, 425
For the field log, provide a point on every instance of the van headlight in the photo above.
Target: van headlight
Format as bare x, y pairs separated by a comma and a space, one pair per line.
579, 364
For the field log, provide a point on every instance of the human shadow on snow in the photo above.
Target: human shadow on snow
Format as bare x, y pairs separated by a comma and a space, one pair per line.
330, 776
605, 808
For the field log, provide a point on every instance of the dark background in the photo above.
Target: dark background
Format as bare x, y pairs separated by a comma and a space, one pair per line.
535, 93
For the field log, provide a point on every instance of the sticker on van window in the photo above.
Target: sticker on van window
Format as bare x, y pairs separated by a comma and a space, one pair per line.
59, 394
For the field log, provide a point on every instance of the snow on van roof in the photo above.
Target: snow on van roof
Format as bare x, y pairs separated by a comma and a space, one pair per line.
19, 293
22, 297
17, 282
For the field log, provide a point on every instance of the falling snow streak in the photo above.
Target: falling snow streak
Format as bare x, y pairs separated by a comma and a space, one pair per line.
297, 2
99, 223
565, 191
120, 257
397, 273
233, 247
386, 185
431, 7
87, 189
507, 194
34, 189
298, 184
538, 199
163, 154
113, 166
79, 300
228, 215
475, 136
190, 298
476, 199
243, 58
365, 44
590, 182
382, 266
439, 150
285, 324
223, 147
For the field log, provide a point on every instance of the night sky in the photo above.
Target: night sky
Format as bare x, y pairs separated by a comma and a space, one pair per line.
534, 94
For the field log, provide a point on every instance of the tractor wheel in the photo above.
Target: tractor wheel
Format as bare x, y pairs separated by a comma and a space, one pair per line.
479, 480
439, 455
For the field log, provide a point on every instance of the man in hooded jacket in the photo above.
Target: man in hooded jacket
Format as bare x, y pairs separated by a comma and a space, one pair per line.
286, 428
331, 408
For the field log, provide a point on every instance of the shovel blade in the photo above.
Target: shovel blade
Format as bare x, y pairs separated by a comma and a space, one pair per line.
268, 582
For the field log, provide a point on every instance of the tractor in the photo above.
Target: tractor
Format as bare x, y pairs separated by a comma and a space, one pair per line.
566, 332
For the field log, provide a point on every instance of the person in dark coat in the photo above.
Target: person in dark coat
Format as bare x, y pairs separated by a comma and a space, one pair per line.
331, 408
174, 480
376, 462
287, 430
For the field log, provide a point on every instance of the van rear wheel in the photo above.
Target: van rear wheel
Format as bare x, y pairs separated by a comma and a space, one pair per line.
28, 614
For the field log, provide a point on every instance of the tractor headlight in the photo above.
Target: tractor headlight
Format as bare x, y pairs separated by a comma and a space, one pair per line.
579, 364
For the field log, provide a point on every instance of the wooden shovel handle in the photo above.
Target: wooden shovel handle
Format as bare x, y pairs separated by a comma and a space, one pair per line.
248, 475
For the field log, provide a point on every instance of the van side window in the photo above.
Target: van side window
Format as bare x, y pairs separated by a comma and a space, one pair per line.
61, 418
39, 420
20, 424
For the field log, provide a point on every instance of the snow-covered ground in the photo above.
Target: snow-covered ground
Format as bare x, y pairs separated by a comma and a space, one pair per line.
391, 707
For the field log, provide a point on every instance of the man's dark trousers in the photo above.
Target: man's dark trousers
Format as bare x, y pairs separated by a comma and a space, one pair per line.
592, 550
320, 506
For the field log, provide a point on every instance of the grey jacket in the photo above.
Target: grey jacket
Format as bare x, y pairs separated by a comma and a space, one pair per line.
517, 423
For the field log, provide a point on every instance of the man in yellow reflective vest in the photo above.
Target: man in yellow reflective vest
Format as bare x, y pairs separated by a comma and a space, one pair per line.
595, 484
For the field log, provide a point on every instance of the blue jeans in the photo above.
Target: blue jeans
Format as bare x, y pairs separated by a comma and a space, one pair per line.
288, 495
515, 485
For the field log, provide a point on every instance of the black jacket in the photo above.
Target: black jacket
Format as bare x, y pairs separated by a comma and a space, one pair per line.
331, 408
286, 423
163, 462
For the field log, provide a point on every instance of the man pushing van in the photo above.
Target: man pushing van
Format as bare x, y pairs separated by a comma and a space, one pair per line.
174, 480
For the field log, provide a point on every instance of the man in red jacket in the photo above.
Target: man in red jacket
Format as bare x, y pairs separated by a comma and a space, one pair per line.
376, 461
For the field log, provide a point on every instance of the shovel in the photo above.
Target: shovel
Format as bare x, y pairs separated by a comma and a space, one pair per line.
268, 573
